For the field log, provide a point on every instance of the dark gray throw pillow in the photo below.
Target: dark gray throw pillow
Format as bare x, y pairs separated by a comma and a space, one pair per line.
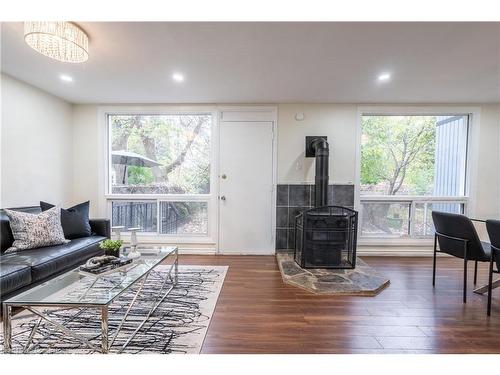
74, 220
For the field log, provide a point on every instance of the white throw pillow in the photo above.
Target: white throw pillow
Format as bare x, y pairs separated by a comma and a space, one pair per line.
31, 231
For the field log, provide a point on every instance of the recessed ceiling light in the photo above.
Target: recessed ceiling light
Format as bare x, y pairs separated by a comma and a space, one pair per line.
66, 78
383, 77
178, 77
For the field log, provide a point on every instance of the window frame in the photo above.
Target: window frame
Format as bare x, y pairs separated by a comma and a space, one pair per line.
467, 199
211, 198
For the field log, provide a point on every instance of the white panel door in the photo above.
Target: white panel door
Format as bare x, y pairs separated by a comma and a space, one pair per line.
246, 188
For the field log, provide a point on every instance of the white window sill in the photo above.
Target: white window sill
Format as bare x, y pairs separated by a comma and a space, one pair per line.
396, 242
153, 238
401, 247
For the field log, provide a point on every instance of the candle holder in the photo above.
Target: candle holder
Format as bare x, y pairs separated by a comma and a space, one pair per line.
117, 231
133, 254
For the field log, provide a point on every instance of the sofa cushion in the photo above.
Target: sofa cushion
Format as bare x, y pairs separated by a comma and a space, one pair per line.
6, 237
47, 261
32, 231
13, 277
74, 220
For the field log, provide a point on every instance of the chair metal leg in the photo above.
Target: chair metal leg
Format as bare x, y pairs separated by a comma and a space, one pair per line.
434, 262
465, 272
465, 280
475, 272
490, 282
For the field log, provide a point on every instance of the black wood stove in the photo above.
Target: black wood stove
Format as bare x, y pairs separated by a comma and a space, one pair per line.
325, 236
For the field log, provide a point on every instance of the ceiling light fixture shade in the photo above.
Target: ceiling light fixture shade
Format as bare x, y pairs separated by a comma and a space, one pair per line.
62, 41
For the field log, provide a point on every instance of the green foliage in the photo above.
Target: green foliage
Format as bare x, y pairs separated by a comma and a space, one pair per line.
111, 245
181, 143
139, 175
372, 166
397, 154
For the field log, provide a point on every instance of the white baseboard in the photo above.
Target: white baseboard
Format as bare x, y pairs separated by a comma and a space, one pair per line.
391, 253
397, 251
364, 251
197, 251
246, 253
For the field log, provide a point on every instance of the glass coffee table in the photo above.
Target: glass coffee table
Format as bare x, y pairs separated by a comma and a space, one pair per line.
75, 289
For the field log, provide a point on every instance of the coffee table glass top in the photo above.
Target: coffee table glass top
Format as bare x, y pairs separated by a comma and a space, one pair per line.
78, 288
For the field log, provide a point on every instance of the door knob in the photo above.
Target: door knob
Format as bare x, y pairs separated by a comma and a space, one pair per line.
223, 198
223, 176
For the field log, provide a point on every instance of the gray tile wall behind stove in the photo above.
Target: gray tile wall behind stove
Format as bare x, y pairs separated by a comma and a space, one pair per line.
292, 199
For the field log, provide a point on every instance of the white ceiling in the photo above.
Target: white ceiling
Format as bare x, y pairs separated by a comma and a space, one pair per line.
132, 62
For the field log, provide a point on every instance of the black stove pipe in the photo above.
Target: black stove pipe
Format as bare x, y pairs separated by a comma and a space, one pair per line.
322, 153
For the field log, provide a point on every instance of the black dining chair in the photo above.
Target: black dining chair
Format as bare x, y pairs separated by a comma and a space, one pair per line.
493, 227
457, 236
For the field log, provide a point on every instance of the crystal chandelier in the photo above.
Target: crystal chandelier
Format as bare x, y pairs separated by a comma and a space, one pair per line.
62, 41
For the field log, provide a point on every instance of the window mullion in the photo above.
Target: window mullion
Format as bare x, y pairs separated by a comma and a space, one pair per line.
158, 218
411, 219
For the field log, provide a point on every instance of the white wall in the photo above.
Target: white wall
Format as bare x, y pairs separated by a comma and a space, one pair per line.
61, 148
487, 195
339, 123
36, 143
486, 199
86, 157
336, 121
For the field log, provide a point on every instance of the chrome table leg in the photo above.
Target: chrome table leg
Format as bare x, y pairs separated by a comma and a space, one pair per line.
62, 328
132, 303
176, 270
105, 345
7, 328
160, 297
104, 328
32, 334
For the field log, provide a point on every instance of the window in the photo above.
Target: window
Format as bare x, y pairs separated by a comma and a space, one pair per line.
184, 218
160, 168
410, 166
160, 154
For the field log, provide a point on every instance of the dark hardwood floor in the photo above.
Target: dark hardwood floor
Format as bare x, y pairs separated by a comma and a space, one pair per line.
258, 313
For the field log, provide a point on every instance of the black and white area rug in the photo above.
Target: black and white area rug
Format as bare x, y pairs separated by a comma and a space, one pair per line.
178, 325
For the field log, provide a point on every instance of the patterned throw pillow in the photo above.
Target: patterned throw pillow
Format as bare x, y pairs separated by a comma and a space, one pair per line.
31, 231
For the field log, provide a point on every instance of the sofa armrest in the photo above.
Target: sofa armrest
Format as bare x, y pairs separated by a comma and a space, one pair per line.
101, 227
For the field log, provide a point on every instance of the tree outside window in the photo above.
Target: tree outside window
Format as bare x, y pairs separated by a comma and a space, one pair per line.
161, 155
180, 144
397, 155
409, 156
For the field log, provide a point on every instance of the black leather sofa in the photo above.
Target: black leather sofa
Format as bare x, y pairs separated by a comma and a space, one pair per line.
24, 269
